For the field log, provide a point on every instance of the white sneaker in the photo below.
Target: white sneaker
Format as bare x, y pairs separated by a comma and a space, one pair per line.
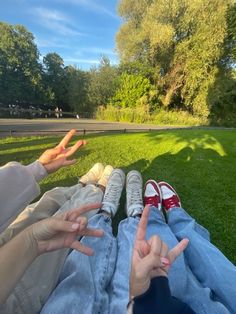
93, 175
134, 199
113, 192
105, 175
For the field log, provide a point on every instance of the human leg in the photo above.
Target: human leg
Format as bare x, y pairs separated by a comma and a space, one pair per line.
60, 199
119, 288
84, 280
208, 263
47, 206
183, 284
210, 267
28, 297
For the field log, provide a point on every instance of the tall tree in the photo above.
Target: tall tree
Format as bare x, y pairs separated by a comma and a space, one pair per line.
55, 79
77, 88
20, 70
182, 39
103, 82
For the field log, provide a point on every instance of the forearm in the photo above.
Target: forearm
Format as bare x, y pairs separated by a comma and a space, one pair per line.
15, 258
37, 170
18, 187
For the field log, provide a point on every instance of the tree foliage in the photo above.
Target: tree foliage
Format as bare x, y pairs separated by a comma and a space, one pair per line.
20, 71
77, 82
103, 82
55, 79
184, 41
131, 89
174, 54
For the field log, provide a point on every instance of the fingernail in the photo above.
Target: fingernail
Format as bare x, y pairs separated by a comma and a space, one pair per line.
165, 261
75, 226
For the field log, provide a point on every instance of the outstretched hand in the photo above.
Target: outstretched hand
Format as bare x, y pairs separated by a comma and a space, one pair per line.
55, 158
151, 258
63, 230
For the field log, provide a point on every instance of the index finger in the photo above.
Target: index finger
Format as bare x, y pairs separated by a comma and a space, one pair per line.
67, 138
142, 226
83, 209
74, 148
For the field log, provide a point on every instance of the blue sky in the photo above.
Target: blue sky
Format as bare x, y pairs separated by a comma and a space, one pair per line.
80, 31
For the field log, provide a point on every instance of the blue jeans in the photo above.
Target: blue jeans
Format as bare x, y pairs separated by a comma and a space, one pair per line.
100, 284
207, 266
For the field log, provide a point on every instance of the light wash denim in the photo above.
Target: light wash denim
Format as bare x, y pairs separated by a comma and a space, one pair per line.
202, 277
215, 274
83, 283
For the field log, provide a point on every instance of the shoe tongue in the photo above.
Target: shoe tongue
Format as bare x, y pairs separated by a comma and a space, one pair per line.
167, 193
150, 191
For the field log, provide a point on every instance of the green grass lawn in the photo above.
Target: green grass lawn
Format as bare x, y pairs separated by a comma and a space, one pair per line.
200, 164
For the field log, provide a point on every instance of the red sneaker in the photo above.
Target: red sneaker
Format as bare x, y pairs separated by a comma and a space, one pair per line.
170, 198
152, 194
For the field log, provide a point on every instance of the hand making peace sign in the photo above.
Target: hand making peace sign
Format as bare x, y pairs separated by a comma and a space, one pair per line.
55, 158
151, 258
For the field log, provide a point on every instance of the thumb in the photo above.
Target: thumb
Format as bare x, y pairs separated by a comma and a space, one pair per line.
149, 263
177, 250
54, 165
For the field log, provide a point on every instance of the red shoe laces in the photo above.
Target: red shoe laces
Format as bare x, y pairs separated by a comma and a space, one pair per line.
171, 202
152, 200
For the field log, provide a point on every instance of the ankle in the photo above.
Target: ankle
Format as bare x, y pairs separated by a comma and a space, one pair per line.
105, 213
101, 187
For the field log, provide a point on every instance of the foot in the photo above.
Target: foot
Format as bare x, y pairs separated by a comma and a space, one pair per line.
134, 199
170, 198
105, 176
113, 192
152, 194
93, 175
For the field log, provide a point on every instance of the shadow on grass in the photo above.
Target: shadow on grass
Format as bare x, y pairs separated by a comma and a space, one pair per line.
199, 164
29, 155
201, 169
203, 174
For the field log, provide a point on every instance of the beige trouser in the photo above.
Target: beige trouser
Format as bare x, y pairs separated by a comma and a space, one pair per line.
41, 277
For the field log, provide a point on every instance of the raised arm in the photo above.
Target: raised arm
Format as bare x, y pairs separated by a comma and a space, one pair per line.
60, 231
19, 184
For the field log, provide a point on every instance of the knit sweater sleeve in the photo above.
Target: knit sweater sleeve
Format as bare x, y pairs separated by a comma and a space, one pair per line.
18, 187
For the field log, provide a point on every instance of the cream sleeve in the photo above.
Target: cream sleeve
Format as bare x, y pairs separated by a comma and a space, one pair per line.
18, 187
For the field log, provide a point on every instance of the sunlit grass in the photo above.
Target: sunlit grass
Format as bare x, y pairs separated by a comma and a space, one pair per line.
199, 164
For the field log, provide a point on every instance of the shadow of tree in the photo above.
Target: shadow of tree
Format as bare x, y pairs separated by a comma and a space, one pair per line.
203, 177
200, 164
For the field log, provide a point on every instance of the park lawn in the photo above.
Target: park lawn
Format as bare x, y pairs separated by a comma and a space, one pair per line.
200, 164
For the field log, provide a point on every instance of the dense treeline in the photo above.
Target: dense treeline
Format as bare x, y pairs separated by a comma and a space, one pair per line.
175, 56
190, 46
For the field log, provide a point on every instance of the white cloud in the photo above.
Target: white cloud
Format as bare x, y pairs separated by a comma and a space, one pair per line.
46, 43
91, 5
51, 15
56, 21
95, 50
75, 60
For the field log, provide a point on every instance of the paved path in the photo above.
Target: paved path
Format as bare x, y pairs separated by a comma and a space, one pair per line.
47, 126
21, 127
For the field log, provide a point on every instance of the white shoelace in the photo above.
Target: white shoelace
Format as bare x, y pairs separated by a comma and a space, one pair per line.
112, 195
135, 195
